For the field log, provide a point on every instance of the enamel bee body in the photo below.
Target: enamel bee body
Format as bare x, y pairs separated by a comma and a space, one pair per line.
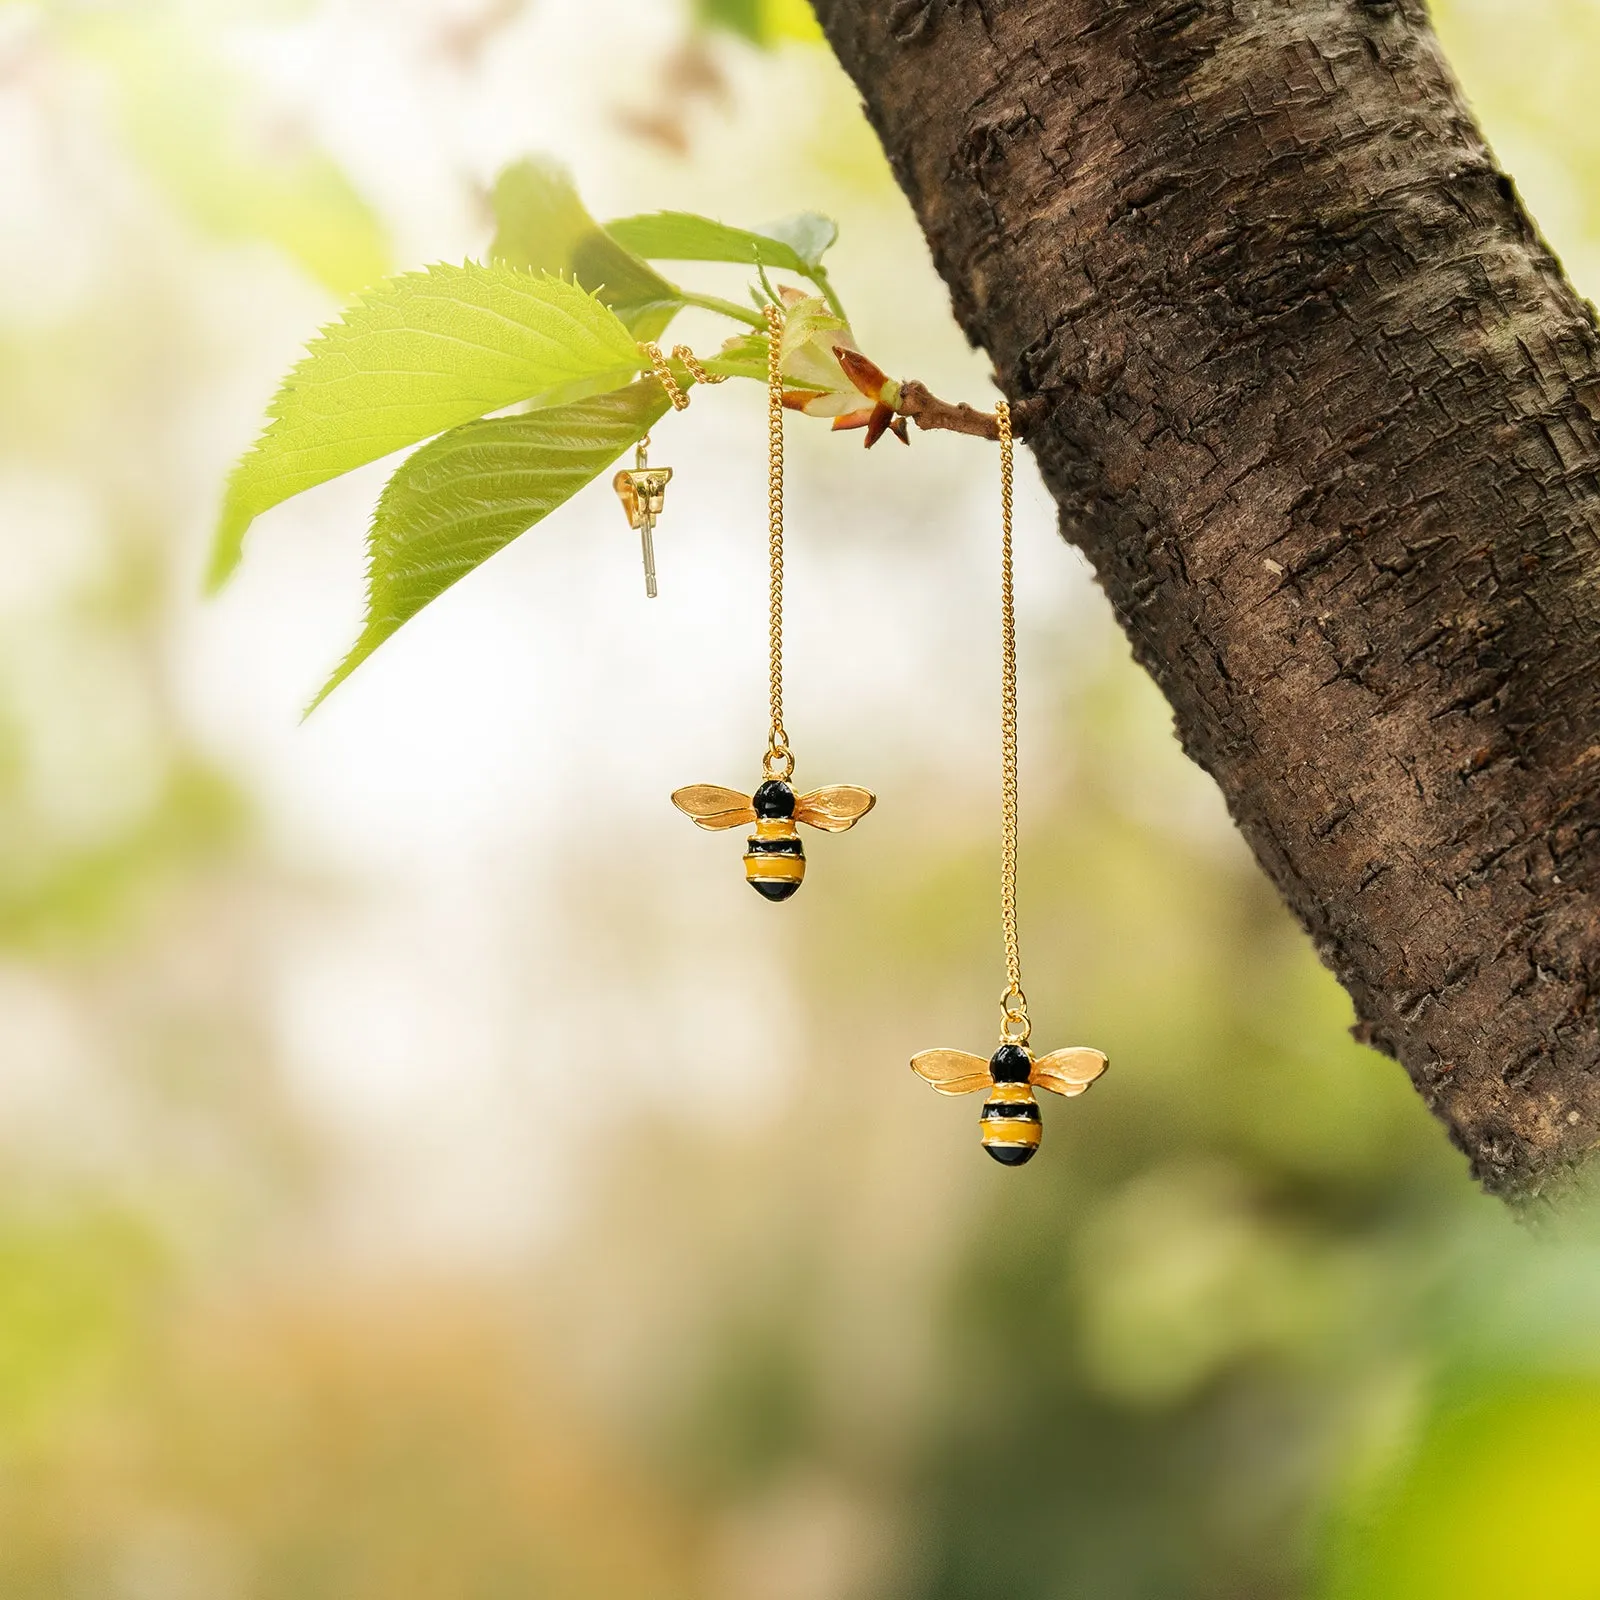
1010, 1125
774, 858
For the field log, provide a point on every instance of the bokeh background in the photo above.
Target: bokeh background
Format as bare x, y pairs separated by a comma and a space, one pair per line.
427, 1172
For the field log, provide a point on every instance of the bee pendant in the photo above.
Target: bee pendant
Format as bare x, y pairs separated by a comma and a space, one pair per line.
775, 859
1010, 1123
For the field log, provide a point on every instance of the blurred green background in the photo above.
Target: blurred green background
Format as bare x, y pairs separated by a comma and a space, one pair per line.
428, 1172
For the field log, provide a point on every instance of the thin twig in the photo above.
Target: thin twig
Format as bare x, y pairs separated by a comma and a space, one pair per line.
927, 410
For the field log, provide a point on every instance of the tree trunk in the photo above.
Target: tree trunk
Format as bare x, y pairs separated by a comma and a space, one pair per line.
1320, 406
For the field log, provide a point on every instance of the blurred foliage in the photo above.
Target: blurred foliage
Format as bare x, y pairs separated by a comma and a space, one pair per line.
76, 1296
1491, 1500
237, 169
762, 22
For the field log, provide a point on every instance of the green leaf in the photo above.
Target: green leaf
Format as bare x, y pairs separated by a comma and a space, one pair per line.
543, 226
744, 356
416, 356
456, 501
747, 18
796, 244
808, 233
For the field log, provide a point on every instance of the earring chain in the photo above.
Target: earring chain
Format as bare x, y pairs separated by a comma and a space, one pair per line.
680, 352
1014, 1003
779, 761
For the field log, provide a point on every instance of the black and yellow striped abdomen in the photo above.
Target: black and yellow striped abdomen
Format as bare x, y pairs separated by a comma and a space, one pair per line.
774, 858
1010, 1125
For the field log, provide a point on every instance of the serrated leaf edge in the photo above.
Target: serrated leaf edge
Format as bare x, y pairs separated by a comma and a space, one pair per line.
233, 523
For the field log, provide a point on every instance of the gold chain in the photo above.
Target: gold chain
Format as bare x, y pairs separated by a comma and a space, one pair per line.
680, 352
779, 762
1014, 1026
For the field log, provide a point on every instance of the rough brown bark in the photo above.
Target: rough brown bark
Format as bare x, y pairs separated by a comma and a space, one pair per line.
1320, 407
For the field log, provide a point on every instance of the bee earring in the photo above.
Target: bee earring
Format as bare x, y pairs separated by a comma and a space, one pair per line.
1010, 1125
775, 859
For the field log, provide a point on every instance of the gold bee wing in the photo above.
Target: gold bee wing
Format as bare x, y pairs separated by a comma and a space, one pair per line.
952, 1071
834, 809
1067, 1072
714, 808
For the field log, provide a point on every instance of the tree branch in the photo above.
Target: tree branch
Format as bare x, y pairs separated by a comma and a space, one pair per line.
927, 410
1318, 404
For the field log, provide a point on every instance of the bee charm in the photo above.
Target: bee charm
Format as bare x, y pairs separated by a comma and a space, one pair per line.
775, 859
1010, 1123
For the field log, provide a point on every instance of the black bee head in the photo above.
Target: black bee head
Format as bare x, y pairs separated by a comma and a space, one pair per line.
1011, 1063
773, 799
